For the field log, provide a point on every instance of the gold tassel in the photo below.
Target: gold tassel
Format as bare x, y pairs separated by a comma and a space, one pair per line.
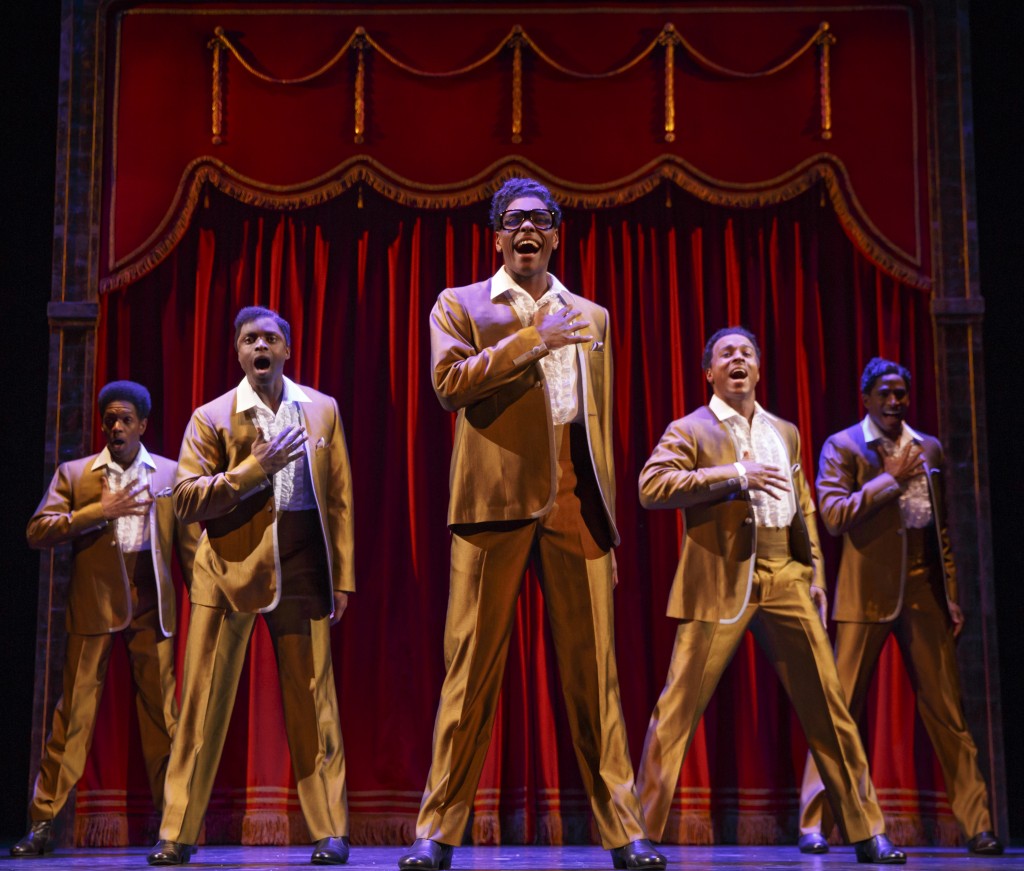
826, 40
668, 39
517, 84
360, 97
217, 109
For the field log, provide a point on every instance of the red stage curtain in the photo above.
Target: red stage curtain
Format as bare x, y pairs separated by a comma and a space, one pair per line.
357, 277
747, 133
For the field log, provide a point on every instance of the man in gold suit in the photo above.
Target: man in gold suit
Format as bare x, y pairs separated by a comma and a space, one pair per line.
750, 559
266, 469
527, 367
115, 510
880, 487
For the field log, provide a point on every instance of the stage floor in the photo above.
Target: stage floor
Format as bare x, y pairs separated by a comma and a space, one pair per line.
513, 858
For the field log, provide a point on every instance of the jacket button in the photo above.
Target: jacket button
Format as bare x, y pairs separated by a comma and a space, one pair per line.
747, 521
270, 508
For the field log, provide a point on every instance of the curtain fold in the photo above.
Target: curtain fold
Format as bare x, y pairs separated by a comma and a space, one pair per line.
357, 277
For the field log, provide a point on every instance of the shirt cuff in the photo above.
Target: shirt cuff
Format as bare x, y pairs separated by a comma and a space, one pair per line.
741, 470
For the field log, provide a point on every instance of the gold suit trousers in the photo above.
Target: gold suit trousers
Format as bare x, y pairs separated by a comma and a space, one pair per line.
924, 633
786, 625
215, 653
488, 560
85, 671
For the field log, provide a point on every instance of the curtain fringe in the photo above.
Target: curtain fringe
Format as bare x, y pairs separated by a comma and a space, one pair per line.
915, 831
695, 829
101, 830
486, 830
380, 831
752, 829
759, 830
555, 829
266, 828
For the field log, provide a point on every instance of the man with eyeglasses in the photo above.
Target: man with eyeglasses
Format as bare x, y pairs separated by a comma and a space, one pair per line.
526, 366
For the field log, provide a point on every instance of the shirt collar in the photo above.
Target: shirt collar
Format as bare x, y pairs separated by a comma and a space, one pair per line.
104, 459
502, 282
723, 411
873, 434
246, 398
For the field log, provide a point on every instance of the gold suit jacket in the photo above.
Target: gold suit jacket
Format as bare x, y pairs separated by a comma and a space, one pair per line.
484, 364
860, 502
99, 599
222, 485
692, 468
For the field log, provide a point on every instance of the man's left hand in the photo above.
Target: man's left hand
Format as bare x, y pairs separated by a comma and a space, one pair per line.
340, 604
957, 616
820, 599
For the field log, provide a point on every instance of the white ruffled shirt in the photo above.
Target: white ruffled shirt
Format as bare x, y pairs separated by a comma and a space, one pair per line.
915, 500
761, 442
559, 366
293, 487
132, 530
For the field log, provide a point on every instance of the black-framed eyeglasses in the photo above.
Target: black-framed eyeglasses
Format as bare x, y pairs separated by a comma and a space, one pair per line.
513, 219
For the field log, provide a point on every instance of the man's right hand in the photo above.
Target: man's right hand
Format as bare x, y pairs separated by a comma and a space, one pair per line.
905, 464
123, 502
764, 477
560, 328
284, 448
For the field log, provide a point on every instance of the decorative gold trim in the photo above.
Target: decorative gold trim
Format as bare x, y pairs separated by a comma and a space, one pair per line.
826, 39
362, 169
667, 39
223, 39
710, 65
216, 45
360, 87
517, 37
517, 85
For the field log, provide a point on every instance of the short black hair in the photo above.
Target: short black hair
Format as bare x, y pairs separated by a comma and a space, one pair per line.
126, 391
705, 361
515, 188
876, 368
254, 313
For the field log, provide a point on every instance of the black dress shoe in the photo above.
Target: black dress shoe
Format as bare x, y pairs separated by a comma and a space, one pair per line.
983, 844
812, 842
39, 841
638, 854
330, 851
170, 853
879, 850
427, 855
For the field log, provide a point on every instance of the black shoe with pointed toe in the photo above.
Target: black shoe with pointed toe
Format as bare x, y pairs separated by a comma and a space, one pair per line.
985, 844
38, 841
428, 855
638, 854
170, 853
813, 843
879, 850
330, 851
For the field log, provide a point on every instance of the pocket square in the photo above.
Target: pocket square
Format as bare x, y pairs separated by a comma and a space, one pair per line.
167, 491
320, 443
597, 347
